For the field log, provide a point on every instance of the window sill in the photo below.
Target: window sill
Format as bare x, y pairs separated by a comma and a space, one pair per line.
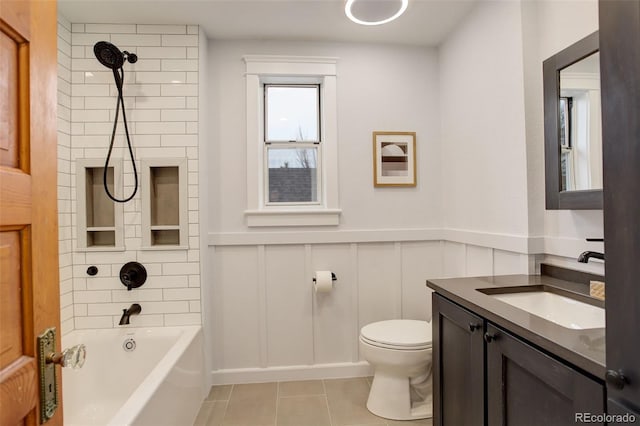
318, 217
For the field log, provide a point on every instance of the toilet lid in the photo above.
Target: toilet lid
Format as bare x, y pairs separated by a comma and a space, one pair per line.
407, 334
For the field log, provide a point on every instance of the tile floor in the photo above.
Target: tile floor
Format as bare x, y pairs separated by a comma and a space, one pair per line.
335, 402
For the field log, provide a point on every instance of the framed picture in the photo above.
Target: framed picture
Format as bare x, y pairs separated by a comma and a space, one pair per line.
394, 158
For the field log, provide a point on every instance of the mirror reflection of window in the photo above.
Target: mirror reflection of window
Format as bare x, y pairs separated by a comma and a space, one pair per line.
580, 125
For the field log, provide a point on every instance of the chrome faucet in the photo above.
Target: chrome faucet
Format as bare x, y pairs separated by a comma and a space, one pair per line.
586, 255
134, 309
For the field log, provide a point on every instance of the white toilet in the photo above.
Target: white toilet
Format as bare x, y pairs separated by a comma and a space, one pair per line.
400, 352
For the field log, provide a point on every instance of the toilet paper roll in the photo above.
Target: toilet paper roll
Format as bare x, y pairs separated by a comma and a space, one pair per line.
323, 282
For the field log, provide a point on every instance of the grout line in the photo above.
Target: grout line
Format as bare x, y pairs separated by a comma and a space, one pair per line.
300, 396
326, 400
231, 392
227, 402
275, 420
226, 405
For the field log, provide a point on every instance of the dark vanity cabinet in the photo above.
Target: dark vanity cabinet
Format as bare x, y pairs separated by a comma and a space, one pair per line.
484, 375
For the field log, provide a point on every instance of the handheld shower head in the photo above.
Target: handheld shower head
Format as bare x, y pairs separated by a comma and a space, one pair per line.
108, 55
111, 57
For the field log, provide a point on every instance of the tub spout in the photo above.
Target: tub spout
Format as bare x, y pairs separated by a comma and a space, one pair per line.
134, 309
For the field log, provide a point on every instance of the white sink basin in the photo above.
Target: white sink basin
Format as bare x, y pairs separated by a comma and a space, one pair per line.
559, 309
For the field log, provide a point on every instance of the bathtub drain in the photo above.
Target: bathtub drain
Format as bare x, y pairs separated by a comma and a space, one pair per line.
129, 345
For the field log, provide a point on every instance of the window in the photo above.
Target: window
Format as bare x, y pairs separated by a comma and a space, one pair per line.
292, 135
291, 141
292, 113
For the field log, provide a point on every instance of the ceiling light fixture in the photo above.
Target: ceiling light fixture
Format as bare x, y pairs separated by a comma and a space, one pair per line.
374, 12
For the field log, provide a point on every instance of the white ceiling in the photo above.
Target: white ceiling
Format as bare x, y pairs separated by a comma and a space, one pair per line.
426, 22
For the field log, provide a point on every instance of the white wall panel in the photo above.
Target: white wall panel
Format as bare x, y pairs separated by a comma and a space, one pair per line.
265, 314
379, 273
420, 261
505, 263
237, 277
334, 320
454, 259
288, 310
479, 261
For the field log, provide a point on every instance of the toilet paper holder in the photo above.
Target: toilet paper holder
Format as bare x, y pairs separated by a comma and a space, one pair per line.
333, 278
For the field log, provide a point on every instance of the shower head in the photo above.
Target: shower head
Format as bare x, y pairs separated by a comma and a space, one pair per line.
108, 55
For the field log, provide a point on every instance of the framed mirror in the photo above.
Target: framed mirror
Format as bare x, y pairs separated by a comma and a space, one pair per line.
572, 127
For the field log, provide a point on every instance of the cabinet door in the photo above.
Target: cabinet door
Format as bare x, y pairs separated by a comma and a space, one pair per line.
458, 365
527, 387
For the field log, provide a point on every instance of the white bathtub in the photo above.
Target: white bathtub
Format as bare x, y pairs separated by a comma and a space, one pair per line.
161, 382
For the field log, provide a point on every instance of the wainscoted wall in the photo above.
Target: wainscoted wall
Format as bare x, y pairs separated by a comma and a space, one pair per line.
565, 230
265, 321
268, 323
65, 177
494, 181
161, 96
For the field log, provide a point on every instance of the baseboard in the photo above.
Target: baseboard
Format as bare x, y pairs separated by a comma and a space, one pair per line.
291, 373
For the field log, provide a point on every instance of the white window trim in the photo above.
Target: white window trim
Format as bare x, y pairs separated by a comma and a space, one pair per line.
261, 69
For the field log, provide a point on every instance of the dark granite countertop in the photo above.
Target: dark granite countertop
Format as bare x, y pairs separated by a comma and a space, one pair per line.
584, 349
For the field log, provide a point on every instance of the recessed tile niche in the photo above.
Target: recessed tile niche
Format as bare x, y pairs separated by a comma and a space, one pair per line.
99, 218
164, 203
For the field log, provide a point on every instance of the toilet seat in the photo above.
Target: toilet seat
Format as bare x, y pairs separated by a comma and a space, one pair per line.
398, 334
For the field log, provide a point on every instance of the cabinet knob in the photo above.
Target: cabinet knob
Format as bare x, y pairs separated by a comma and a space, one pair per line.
489, 337
616, 379
473, 327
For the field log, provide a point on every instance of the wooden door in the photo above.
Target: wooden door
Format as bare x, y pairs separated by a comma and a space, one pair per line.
458, 365
526, 387
620, 83
29, 287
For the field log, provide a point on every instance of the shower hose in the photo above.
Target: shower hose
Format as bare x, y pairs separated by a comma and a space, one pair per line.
119, 78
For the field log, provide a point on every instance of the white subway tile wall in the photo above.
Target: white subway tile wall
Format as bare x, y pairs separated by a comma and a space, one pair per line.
161, 97
65, 105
